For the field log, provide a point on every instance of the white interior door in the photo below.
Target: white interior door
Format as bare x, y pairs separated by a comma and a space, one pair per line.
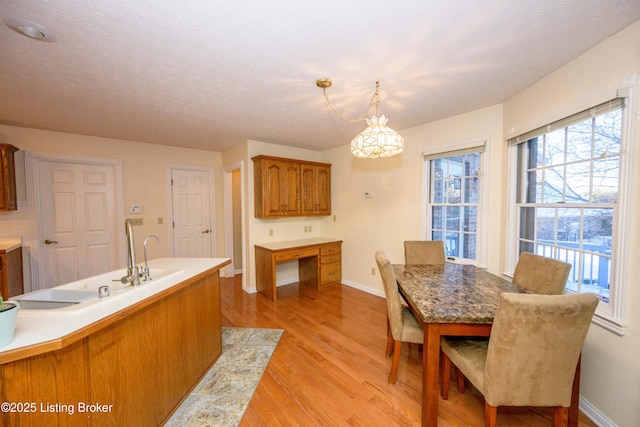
192, 224
78, 221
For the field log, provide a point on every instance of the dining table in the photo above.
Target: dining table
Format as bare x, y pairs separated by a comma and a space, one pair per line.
455, 300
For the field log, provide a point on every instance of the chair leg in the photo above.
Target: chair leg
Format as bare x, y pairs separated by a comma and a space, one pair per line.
460, 377
560, 416
389, 340
490, 415
395, 362
446, 375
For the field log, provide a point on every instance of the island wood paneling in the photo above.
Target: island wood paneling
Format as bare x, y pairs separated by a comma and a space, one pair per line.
144, 364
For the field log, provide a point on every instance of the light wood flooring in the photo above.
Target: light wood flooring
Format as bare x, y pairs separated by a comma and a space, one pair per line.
329, 368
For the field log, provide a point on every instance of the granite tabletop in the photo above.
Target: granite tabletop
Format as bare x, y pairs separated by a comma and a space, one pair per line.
452, 293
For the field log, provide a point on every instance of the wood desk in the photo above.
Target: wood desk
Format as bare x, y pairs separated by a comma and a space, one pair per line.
319, 262
454, 299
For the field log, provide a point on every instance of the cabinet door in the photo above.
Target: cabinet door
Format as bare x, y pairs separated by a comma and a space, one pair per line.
281, 188
291, 188
271, 191
323, 190
7, 178
316, 190
308, 202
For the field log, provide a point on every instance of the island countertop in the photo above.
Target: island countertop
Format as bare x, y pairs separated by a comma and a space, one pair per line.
8, 244
39, 331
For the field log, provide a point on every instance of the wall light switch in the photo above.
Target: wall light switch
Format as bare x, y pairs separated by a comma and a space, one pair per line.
271, 232
136, 221
368, 195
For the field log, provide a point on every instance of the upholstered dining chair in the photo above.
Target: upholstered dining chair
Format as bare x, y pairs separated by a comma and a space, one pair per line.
531, 356
424, 252
402, 326
541, 275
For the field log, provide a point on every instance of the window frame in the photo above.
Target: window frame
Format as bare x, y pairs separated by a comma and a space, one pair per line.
611, 316
481, 144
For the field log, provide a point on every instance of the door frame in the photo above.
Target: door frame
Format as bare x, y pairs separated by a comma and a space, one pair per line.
230, 270
170, 230
34, 214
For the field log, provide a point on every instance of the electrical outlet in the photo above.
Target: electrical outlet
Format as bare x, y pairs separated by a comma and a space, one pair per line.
271, 232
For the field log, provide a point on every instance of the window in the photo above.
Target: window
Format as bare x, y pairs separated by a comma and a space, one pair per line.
567, 201
454, 200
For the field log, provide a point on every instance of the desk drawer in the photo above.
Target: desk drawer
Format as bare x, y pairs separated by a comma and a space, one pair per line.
330, 248
330, 273
328, 259
296, 254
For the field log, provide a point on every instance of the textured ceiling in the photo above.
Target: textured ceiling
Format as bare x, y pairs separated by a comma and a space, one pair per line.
210, 73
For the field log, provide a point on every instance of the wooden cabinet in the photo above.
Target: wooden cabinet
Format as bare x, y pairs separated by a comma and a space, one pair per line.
11, 280
330, 264
316, 189
288, 187
277, 187
8, 180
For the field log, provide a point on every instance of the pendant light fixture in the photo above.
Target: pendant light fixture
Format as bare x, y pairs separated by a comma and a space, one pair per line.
377, 140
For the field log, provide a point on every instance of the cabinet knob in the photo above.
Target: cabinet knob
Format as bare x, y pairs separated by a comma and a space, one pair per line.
50, 242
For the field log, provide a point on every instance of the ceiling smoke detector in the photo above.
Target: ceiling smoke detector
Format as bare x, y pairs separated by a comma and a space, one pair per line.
30, 29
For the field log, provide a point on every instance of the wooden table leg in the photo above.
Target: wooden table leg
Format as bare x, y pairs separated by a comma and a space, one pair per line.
574, 410
431, 362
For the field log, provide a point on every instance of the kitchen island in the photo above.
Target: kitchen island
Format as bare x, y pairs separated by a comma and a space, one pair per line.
127, 359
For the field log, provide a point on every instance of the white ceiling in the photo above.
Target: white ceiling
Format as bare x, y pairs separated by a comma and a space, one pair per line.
209, 74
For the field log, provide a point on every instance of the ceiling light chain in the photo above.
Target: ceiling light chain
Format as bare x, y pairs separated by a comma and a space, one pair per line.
375, 98
377, 140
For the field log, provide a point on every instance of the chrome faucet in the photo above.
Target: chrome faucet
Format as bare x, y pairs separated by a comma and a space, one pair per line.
133, 275
145, 271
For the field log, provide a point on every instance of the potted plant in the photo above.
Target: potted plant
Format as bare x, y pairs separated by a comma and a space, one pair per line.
8, 315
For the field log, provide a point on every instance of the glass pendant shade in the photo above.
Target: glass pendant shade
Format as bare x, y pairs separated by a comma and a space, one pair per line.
377, 140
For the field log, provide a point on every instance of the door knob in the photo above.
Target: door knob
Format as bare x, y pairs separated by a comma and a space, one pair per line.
206, 231
49, 242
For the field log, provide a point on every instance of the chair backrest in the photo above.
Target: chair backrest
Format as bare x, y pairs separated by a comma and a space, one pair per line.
424, 252
541, 275
394, 306
534, 348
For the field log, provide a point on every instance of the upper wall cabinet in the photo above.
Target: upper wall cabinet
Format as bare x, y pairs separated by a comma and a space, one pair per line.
288, 187
316, 189
8, 180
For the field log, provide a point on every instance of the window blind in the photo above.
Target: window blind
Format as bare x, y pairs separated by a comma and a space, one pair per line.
598, 110
459, 150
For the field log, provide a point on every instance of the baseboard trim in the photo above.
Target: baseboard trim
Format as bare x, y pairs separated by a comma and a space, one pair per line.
594, 414
363, 288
